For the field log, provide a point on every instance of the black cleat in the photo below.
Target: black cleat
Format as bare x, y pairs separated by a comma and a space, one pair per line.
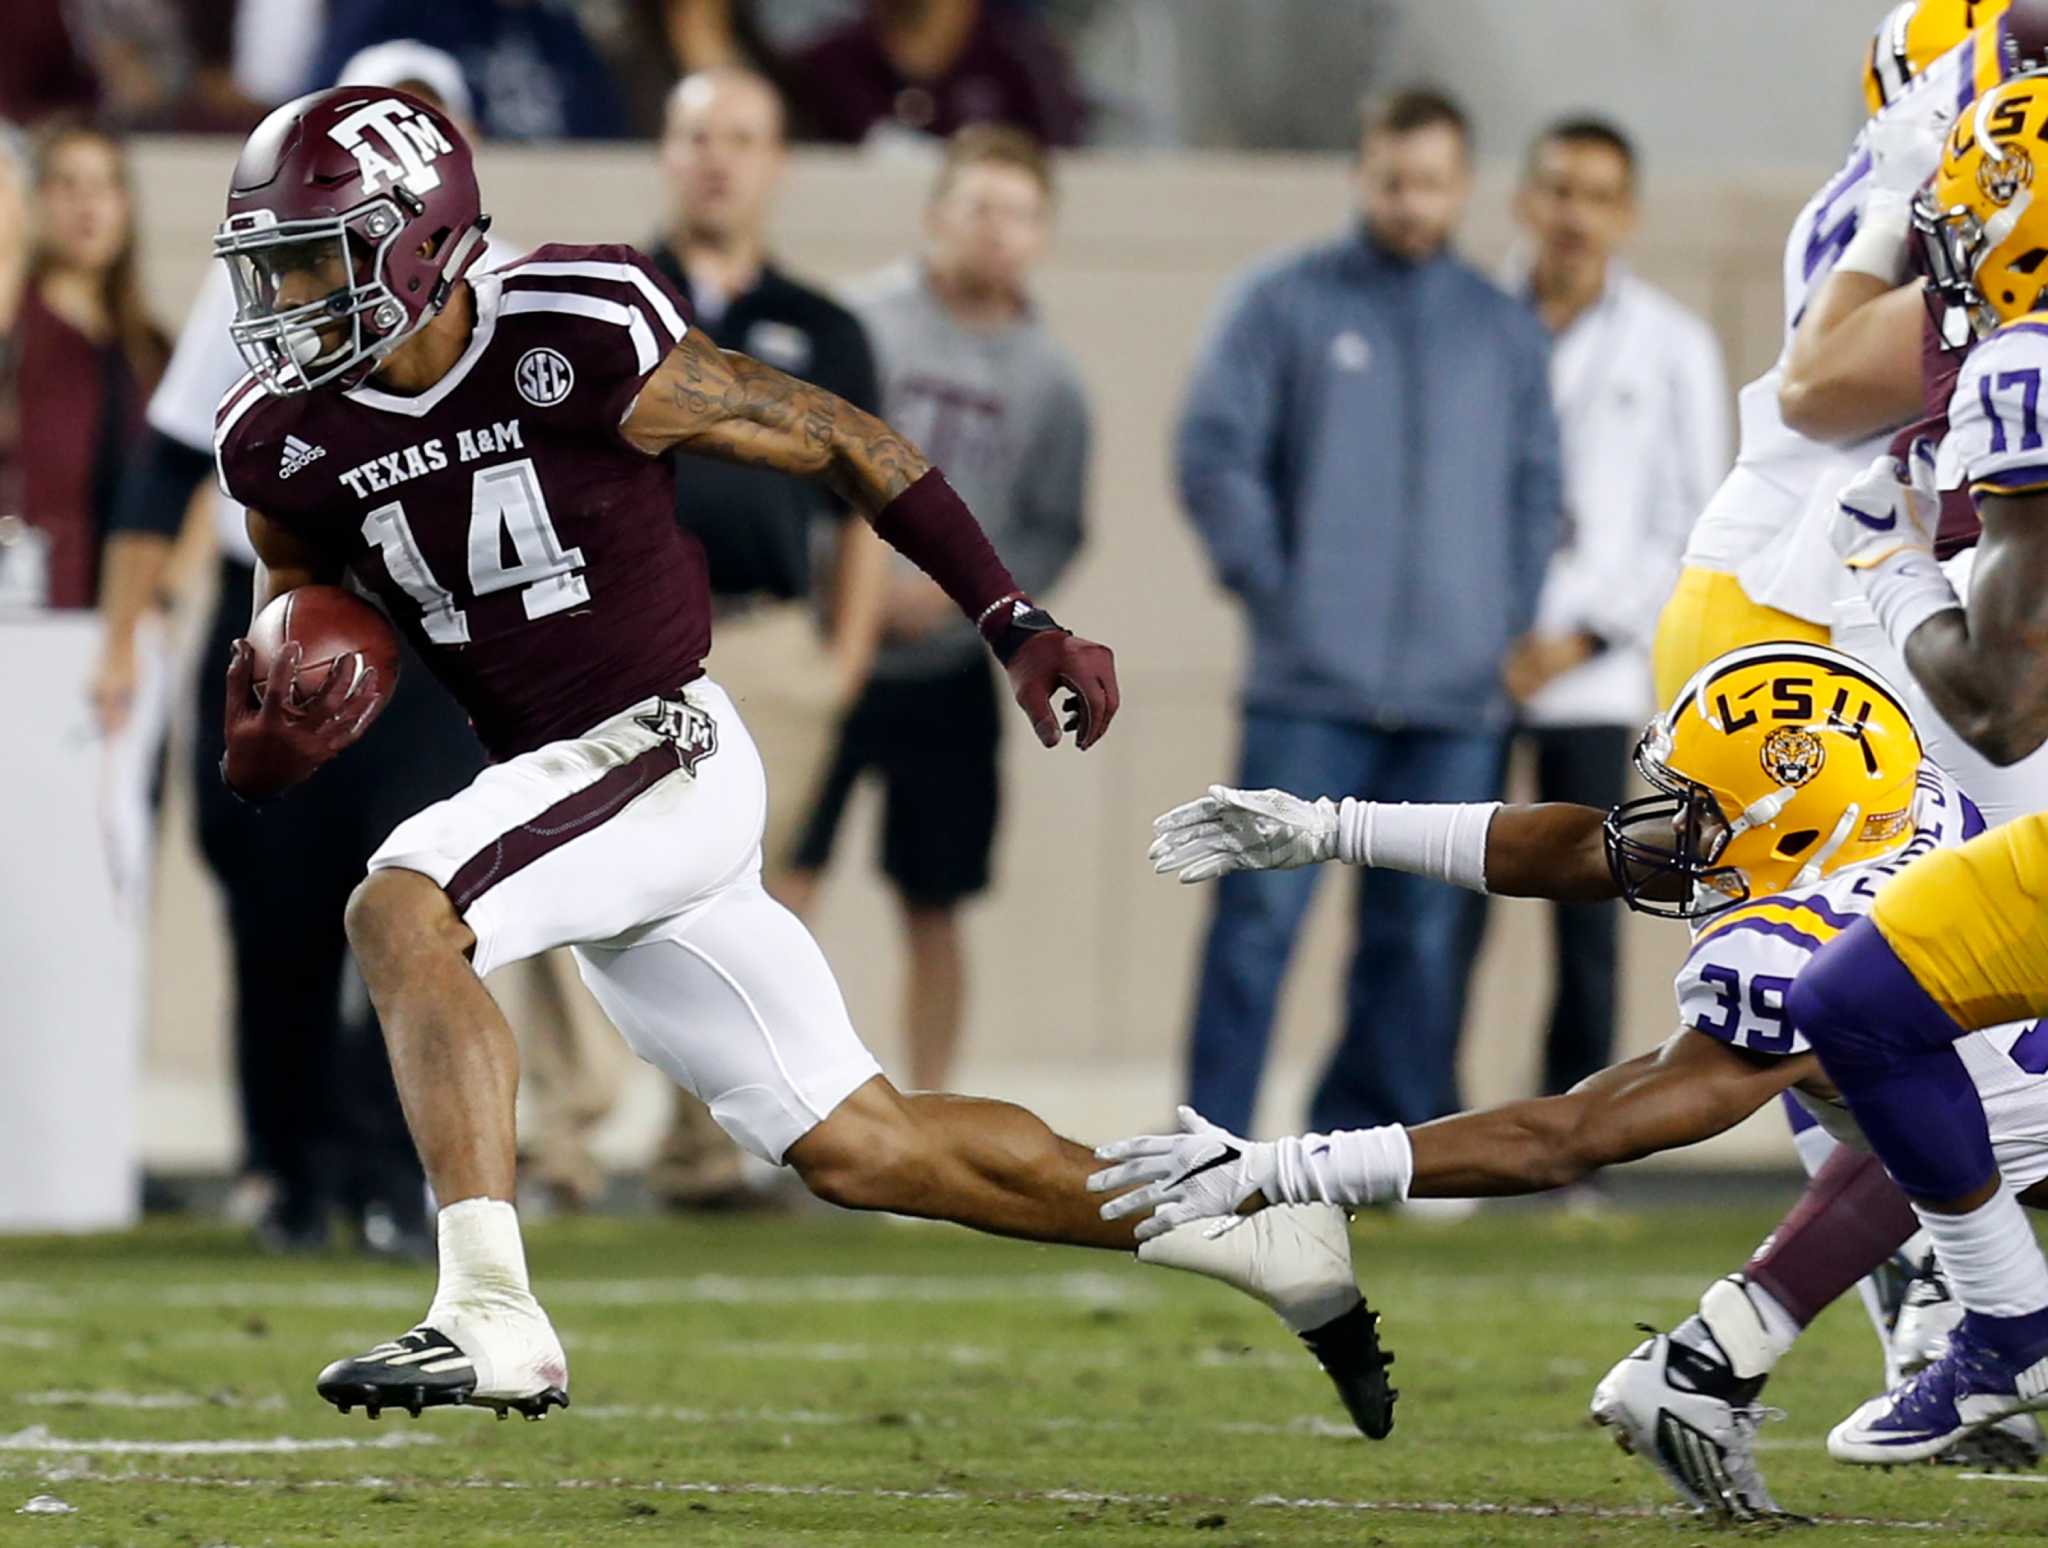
1348, 1348
420, 1370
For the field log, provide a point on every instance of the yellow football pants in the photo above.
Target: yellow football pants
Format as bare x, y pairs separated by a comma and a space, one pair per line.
1971, 924
1707, 616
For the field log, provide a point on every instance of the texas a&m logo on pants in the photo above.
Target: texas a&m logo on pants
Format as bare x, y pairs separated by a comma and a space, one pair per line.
693, 733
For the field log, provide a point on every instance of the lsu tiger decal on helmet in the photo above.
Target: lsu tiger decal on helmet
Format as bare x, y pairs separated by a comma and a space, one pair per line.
1792, 756
1777, 765
1982, 228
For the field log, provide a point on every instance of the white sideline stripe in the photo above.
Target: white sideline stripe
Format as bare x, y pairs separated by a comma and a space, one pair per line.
1089, 1288
145, 1401
632, 319
616, 273
1274, 1502
2012, 1478
38, 1438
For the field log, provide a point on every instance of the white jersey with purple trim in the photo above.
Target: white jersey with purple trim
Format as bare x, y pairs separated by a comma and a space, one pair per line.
1995, 443
1744, 961
1748, 528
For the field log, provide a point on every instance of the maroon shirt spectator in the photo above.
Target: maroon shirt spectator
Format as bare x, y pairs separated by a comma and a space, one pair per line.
80, 360
933, 67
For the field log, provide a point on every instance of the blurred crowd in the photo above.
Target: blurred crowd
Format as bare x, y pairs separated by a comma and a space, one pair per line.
849, 70
1515, 456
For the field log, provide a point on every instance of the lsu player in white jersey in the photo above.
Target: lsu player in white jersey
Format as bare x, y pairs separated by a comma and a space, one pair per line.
1961, 941
1791, 789
1745, 577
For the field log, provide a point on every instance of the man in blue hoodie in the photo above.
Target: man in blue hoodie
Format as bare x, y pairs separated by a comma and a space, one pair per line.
1370, 455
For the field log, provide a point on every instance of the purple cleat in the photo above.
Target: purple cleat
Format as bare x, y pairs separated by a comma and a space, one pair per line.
1968, 1388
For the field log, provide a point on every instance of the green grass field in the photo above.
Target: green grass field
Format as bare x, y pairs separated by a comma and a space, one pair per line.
828, 1380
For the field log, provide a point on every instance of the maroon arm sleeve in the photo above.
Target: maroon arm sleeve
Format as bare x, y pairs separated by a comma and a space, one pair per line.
930, 525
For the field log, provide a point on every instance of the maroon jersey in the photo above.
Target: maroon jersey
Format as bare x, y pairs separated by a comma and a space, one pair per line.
532, 554
1939, 367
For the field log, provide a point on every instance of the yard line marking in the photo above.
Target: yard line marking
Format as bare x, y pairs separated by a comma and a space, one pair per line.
1087, 1288
147, 1400
38, 1438
1306, 1424
1273, 1502
2018, 1478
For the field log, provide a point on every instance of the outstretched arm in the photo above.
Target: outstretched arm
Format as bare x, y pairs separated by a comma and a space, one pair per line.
725, 405
1691, 1089
1854, 366
1985, 666
1553, 850
720, 404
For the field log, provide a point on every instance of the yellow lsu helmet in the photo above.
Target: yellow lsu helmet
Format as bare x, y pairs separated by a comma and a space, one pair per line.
1982, 224
1912, 36
1777, 765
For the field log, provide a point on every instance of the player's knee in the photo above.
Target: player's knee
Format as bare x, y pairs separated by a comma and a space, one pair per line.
394, 912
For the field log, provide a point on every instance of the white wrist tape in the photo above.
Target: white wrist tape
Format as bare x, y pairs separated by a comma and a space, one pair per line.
1905, 590
1352, 1166
1440, 840
1882, 242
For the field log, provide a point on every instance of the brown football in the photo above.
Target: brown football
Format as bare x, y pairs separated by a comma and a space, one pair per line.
325, 622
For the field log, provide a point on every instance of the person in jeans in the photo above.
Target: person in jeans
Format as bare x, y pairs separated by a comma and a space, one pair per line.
1369, 454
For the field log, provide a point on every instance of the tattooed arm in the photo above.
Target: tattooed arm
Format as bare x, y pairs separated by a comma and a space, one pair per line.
725, 405
705, 400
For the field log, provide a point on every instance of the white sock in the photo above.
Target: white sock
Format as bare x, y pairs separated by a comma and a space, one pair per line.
1352, 1166
1753, 1330
483, 1260
1992, 1260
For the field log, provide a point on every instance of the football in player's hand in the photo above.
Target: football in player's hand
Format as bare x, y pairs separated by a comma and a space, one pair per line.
327, 624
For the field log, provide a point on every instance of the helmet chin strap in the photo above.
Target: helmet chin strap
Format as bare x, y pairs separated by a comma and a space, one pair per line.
1810, 872
1762, 812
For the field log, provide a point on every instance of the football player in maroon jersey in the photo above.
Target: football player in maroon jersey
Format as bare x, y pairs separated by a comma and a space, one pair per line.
484, 452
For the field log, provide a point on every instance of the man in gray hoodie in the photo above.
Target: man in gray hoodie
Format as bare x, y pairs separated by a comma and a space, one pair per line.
1370, 455
971, 371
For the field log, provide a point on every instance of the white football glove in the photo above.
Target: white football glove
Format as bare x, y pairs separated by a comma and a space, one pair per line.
1243, 830
1904, 155
1887, 510
1201, 1173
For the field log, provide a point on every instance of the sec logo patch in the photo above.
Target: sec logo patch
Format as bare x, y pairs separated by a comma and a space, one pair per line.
543, 377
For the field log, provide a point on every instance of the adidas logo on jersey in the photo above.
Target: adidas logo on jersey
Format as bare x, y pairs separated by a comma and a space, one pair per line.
297, 455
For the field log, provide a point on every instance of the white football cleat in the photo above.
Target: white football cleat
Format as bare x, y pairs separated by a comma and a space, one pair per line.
505, 1359
1296, 1259
1689, 1414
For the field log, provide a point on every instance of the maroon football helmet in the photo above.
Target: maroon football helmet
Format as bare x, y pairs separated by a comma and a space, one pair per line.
351, 214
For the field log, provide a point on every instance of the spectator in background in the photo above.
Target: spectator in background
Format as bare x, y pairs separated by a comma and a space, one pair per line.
1369, 453
971, 373
794, 645
530, 69
1642, 402
78, 357
929, 67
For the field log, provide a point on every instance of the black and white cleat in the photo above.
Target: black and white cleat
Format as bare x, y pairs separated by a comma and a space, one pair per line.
426, 1369
1348, 1349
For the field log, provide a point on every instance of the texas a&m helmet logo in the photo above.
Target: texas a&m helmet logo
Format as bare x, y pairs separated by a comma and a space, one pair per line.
543, 377
395, 145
